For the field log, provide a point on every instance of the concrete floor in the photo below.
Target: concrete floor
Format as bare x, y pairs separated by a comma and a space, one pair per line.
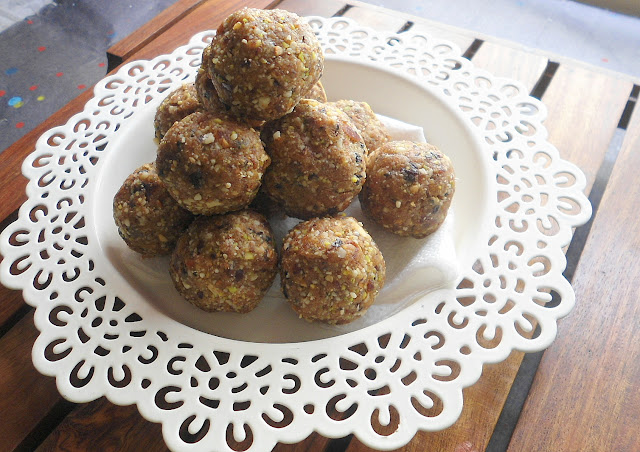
52, 51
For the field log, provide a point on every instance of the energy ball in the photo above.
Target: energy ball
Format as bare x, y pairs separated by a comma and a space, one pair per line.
262, 62
373, 131
179, 103
317, 160
208, 96
225, 262
409, 188
211, 164
149, 220
331, 269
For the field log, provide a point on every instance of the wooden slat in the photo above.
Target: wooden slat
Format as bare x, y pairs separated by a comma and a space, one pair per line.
100, 426
584, 109
505, 61
26, 397
126, 47
586, 394
325, 8
380, 19
374, 17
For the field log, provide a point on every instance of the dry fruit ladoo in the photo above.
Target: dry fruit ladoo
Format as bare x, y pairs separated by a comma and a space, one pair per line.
331, 269
318, 160
211, 164
180, 103
409, 188
149, 220
373, 131
262, 62
225, 262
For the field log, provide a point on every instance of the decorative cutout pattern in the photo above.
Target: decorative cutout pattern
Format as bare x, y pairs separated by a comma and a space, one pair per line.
228, 395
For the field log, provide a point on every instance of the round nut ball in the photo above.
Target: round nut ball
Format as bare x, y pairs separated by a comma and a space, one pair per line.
149, 220
373, 131
211, 164
318, 160
179, 103
262, 62
225, 262
210, 102
331, 269
409, 188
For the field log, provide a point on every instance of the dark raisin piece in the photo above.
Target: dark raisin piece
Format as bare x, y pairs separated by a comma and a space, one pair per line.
197, 179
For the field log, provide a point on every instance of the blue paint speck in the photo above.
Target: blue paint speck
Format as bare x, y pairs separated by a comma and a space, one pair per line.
11, 71
15, 101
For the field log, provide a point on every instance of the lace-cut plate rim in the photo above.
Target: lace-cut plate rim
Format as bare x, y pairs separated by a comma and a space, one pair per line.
103, 334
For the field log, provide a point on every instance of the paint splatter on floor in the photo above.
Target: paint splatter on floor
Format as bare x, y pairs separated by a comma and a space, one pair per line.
51, 52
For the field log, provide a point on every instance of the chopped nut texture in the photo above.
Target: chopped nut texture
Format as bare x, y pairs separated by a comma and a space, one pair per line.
317, 158
211, 164
149, 220
317, 92
331, 269
373, 131
225, 262
409, 188
262, 62
179, 103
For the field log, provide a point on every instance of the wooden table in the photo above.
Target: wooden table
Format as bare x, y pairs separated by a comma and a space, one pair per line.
582, 394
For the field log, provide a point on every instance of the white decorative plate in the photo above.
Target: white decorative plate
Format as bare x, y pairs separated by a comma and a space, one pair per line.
109, 326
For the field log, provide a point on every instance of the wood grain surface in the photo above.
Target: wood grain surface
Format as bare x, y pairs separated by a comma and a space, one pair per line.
26, 397
103, 426
586, 394
505, 61
127, 46
584, 138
